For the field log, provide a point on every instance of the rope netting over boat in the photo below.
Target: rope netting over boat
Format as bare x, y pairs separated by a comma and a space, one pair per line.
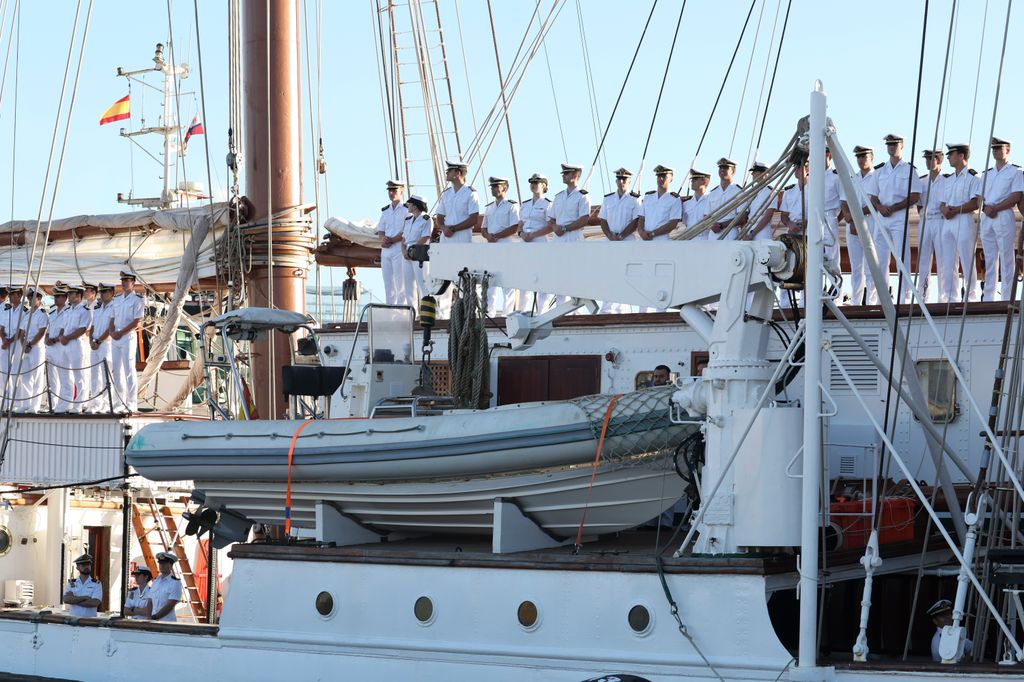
639, 423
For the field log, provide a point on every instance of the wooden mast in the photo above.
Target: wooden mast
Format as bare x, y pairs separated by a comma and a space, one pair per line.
273, 180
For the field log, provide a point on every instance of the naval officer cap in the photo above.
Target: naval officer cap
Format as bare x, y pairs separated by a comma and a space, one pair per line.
60, 289
726, 163
142, 568
862, 151
959, 147
758, 167
75, 289
1000, 142
699, 174
417, 201
940, 607
893, 138
538, 177
15, 289
571, 168
101, 287
456, 165
394, 184
166, 556
83, 559
929, 153
623, 173
128, 274
86, 285
662, 170
494, 180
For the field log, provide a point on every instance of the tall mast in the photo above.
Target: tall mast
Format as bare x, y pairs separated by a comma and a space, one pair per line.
273, 181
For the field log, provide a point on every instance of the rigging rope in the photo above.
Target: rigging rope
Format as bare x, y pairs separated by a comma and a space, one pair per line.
504, 102
554, 100
595, 113
468, 351
746, 78
764, 81
775, 71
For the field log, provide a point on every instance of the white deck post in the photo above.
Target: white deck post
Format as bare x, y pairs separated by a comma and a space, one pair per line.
808, 656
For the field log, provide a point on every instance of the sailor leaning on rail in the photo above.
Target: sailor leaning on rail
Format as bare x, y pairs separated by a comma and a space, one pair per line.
619, 217
32, 382
501, 224
534, 229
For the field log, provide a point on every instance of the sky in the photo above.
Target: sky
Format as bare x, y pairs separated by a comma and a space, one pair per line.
867, 54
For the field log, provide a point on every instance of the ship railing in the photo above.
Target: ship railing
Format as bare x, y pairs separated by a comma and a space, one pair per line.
413, 406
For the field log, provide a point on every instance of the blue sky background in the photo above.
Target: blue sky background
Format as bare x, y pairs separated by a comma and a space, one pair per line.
866, 54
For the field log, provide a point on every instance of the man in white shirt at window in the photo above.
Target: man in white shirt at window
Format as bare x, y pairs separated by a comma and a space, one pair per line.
501, 224
961, 197
619, 216
888, 191
1003, 186
392, 246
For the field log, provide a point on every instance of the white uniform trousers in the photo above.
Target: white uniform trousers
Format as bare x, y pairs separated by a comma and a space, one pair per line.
509, 301
831, 236
32, 387
415, 287
126, 388
858, 268
894, 226
55, 376
392, 267
997, 242
959, 245
929, 247
75, 387
535, 301
99, 376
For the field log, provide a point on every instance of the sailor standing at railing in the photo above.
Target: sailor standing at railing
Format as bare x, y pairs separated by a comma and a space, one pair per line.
534, 229
695, 206
416, 231
55, 355
854, 248
501, 223
129, 307
75, 340
929, 231
99, 344
833, 202
661, 209
1004, 187
569, 213
3, 312
165, 590
33, 329
961, 197
763, 207
389, 230
10, 347
619, 216
720, 195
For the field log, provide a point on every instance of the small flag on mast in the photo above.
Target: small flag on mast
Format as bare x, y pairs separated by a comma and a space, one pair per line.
194, 128
118, 111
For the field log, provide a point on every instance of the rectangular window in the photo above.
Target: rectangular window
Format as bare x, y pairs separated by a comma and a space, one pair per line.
939, 385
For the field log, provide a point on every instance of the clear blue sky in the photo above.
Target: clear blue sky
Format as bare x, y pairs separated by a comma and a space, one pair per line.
866, 54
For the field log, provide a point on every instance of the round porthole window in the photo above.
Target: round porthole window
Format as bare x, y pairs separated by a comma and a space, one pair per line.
423, 609
527, 614
6, 540
639, 619
325, 604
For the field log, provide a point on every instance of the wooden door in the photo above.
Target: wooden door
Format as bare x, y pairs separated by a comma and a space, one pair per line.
547, 377
99, 548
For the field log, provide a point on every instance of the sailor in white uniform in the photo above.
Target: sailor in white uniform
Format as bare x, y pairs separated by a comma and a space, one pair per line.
83, 594
129, 308
793, 206
137, 604
416, 230
389, 230
501, 224
661, 209
929, 231
887, 190
619, 216
1003, 186
102, 351
961, 197
833, 202
860, 278
695, 206
56, 360
720, 195
941, 613
75, 392
10, 344
569, 213
3, 308
33, 330
534, 229
761, 209
165, 590
458, 208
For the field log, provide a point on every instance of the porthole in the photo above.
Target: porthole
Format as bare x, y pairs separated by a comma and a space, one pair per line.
423, 609
528, 615
639, 619
325, 604
6, 540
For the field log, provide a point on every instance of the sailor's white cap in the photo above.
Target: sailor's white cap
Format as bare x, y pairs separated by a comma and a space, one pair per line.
941, 606
166, 556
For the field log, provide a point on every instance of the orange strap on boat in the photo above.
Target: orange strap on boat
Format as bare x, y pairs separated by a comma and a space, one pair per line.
593, 472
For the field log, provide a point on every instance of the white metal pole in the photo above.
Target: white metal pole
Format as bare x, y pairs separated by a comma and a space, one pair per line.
809, 530
165, 196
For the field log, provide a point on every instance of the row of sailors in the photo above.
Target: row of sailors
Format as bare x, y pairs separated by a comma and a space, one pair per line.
75, 356
946, 203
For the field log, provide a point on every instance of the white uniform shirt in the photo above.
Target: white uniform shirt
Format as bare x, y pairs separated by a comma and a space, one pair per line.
32, 322
162, 590
501, 216
566, 209
862, 183
932, 193
718, 197
695, 209
889, 184
1001, 183
127, 308
137, 599
456, 207
766, 197
619, 211
76, 318
658, 210
416, 228
793, 202
55, 323
101, 316
90, 588
959, 188
534, 214
832, 191
392, 222
11, 319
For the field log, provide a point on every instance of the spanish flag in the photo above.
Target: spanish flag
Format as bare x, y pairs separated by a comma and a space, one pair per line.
118, 111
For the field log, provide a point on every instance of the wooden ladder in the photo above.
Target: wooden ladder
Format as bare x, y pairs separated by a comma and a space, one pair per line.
161, 522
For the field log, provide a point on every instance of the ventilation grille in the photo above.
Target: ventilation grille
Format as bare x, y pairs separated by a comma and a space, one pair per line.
847, 465
860, 368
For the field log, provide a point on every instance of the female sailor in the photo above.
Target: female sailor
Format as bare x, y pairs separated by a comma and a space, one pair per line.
534, 229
